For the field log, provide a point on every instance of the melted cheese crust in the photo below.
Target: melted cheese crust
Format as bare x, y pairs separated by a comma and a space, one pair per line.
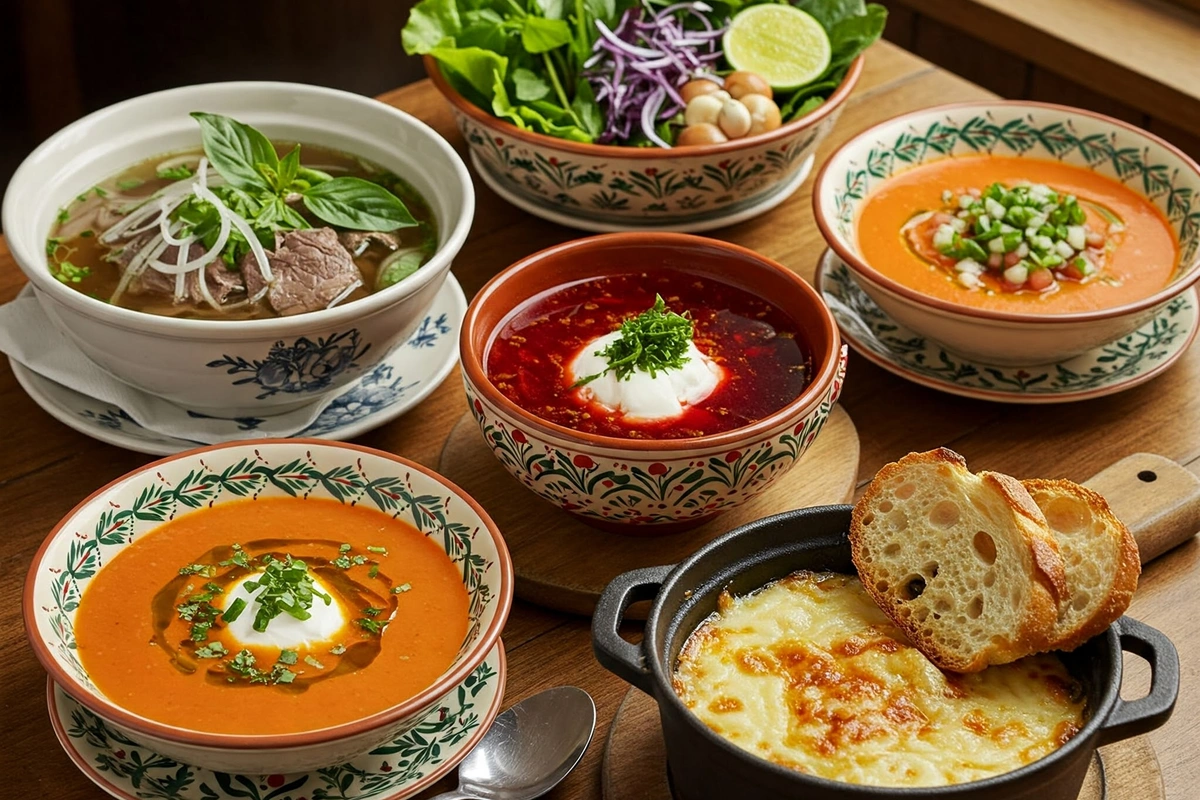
808, 673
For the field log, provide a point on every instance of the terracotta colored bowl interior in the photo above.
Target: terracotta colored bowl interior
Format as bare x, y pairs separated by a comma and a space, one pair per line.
621, 253
109, 710
483, 117
828, 180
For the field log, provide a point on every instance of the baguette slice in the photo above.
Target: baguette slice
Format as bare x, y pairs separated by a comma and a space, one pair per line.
964, 564
1099, 554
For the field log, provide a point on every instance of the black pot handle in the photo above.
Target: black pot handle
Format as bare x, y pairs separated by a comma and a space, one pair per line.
1131, 718
614, 653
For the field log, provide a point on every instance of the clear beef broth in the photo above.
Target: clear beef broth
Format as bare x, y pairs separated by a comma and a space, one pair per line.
75, 238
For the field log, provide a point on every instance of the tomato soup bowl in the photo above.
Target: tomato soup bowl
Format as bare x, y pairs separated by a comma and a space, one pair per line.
121, 513
648, 486
251, 367
607, 188
1142, 162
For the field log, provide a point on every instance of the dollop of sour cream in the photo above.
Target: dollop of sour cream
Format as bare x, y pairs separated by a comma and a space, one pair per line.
284, 631
639, 396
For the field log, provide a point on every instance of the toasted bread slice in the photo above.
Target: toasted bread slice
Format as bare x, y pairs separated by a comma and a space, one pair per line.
964, 564
1099, 554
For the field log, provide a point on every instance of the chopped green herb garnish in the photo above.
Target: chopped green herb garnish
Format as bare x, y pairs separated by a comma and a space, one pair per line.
373, 571
89, 233
132, 183
99, 192
238, 559
372, 626
372, 612
283, 675
359, 560
655, 340
380, 550
207, 570
52, 245
66, 272
176, 173
344, 547
338, 649
287, 587
288, 657
212, 650
63, 215
235, 610
401, 589
243, 663
246, 665
342, 562
312, 662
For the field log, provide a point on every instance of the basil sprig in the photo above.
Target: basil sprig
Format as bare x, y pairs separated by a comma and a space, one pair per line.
247, 160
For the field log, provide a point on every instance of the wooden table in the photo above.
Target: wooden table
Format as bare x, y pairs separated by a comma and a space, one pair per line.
45, 467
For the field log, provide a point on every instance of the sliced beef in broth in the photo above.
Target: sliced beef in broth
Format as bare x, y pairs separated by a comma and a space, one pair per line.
357, 242
310, 269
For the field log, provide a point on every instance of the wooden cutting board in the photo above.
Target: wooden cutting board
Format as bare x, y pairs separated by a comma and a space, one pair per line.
1155, 497
564, 564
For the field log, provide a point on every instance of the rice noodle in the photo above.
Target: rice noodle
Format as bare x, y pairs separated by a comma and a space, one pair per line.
344, 293
137, 266
244, 229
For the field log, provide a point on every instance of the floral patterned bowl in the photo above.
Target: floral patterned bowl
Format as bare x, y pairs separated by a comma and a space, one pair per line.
98, 528
225, 367
1112, 148
609, 188
644, 486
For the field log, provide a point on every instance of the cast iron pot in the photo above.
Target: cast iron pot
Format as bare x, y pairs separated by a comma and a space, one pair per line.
703, 765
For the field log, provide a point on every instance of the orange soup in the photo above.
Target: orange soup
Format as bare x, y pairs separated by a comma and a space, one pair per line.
275, 615
1017, 234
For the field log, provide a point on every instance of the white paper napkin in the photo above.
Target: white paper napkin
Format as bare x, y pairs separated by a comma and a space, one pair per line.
29, 336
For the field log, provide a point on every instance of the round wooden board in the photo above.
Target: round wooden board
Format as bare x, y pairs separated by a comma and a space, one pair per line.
564, 564
635, 761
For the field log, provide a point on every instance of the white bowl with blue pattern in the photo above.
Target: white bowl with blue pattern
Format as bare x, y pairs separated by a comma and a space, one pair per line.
245, 367
1141, 161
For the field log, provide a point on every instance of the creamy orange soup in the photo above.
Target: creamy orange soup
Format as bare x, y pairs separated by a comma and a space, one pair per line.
141, 623
1139, 259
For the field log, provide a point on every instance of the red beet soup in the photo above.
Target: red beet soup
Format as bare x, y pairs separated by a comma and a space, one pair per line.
765, 362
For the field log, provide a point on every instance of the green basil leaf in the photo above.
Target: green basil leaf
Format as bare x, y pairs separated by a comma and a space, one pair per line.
399, 269
358, 205
289, 168
529, 85
234, 149
431, 23
539, 35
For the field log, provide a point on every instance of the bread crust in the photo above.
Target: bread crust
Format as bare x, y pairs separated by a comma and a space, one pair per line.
1129, 565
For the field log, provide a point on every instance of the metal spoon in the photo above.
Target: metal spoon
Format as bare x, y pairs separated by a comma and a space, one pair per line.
529, 748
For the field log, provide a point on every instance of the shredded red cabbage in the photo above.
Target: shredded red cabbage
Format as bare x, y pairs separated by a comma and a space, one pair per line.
637, 68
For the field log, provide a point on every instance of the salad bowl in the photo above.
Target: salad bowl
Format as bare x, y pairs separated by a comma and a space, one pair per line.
118, 515
1092, 143
648, 486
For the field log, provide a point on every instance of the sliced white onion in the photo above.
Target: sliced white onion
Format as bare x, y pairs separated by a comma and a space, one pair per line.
137, 266
244, 229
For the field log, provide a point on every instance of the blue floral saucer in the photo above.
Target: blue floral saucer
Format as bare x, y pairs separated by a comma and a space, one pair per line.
405, 377
1110, 368
393, 771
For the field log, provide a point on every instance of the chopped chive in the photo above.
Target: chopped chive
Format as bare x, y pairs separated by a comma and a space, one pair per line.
373, 571
234, 611
380, 550
370, 611
401, 589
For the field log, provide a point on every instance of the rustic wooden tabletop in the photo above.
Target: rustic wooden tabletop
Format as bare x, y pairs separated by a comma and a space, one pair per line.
45, 467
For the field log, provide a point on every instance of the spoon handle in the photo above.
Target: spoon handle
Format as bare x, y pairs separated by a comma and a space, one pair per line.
454, 794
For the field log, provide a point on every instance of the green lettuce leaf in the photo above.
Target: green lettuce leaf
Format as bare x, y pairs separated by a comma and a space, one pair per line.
431, 24
474, 64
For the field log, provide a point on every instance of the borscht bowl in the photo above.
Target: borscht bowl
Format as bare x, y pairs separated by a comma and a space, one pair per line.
160, 241
300, 602
601, 188
1015, 233
645, 382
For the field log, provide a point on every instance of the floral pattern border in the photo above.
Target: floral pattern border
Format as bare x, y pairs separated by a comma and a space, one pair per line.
1117, 362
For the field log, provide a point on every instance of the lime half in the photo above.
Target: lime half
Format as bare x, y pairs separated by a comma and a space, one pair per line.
781, 43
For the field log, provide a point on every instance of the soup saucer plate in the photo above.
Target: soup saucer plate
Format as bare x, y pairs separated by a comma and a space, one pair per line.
1111, 367
405, 377
397, 770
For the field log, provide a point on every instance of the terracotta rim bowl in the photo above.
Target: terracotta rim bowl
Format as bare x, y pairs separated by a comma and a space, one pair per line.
481, 116
467, 661
855, 151
617, 253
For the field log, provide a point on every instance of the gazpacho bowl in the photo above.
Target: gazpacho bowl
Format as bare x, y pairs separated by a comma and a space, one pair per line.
237, 367
648, 486
610, 188
1141, 161
111, 519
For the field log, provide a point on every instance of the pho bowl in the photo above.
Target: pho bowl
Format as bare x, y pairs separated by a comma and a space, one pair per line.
1138, 164
606, 188
339, 476
705, 765
648, 485
236, 367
